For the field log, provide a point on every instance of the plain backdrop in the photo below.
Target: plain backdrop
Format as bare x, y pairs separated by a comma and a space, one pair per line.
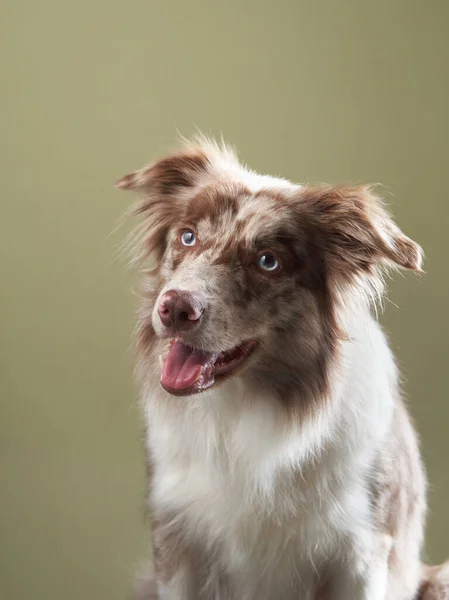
317, 91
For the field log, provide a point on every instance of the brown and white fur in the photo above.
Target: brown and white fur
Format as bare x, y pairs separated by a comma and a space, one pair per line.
296, 476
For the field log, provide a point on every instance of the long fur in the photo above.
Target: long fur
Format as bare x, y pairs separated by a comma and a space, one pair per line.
300, 476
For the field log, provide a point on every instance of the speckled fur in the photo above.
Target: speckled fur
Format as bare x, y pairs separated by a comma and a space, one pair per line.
300, 477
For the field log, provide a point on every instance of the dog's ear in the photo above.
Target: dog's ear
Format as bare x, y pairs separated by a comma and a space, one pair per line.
161, 185
355, 230
168, 175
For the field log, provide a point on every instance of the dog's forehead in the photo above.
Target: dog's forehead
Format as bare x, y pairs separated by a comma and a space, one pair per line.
263, 214
233, 210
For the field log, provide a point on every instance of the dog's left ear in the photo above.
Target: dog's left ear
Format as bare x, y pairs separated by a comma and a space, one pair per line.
356, 231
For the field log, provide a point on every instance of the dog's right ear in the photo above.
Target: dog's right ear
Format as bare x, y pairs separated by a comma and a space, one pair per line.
161, 186
169, 175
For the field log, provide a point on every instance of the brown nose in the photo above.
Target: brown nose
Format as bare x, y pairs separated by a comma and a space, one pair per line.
180, 310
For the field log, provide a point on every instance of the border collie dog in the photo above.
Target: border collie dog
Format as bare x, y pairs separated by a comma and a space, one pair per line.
282, 462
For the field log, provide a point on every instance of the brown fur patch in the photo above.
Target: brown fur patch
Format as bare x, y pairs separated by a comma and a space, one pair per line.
354, 231
277, 195
436, 583
214, 200
169, 174
179, 171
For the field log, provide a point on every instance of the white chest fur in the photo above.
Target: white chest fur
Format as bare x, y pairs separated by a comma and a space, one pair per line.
272, 496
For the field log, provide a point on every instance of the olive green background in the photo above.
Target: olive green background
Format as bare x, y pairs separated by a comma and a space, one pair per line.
312, 90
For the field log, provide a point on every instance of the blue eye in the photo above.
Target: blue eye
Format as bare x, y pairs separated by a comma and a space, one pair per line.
188, 238
268, 262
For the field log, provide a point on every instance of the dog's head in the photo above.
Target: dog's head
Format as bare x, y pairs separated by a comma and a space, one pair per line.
251, 269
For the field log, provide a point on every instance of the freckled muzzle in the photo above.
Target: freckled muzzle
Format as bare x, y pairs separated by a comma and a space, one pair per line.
201, 353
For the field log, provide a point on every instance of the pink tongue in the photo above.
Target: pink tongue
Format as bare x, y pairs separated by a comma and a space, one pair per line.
182, 367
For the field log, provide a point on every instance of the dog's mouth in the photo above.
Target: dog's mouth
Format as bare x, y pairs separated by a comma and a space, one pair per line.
187, 370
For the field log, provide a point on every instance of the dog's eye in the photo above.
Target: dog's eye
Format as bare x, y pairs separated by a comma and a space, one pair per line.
268, 262
188, 238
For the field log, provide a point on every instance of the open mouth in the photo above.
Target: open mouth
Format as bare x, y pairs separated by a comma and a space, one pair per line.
187, 370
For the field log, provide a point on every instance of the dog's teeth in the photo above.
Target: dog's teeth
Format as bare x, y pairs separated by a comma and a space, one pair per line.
161, 360
199, 373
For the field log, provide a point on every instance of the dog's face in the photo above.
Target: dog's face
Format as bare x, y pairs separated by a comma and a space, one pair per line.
251, 269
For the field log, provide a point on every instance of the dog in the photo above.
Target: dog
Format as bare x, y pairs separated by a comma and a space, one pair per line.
282, 462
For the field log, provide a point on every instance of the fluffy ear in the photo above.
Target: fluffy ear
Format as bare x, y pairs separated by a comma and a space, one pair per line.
160, 186
356, 231
168, 175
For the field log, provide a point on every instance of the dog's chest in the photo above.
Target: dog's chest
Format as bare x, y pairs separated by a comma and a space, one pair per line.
229, 487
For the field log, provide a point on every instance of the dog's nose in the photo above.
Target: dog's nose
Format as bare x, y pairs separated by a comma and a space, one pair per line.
180, 310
